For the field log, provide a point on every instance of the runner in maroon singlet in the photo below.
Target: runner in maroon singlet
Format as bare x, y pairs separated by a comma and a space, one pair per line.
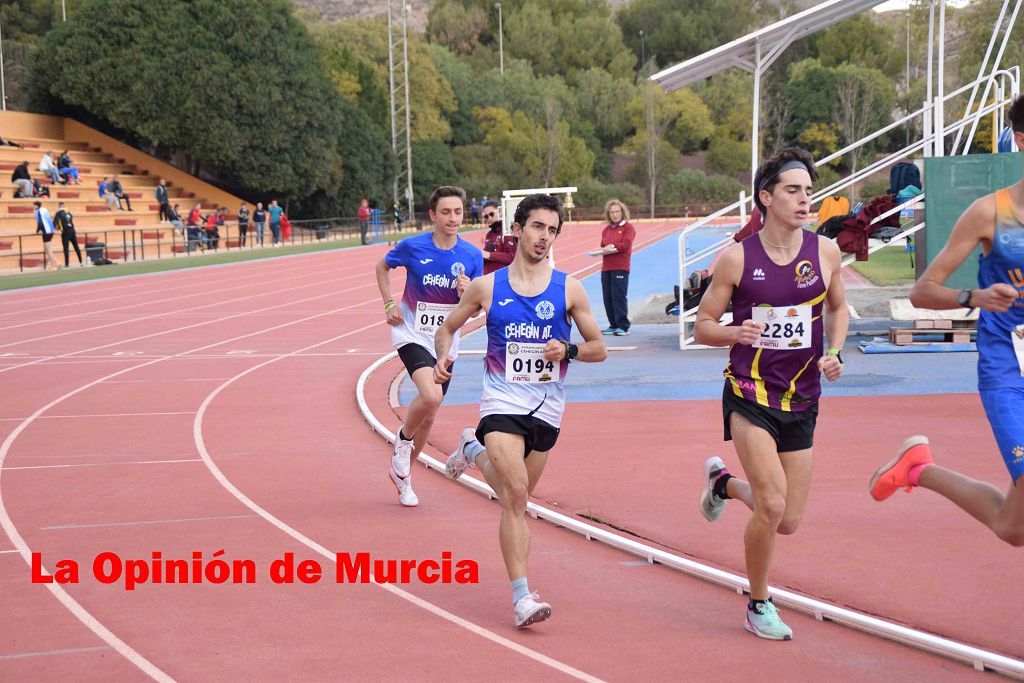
780, 281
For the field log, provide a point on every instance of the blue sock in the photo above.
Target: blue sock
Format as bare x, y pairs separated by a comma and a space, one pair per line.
519, 589
473, 449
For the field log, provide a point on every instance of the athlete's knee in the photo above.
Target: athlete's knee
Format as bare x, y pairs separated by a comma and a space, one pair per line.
788, 525
514, 496
771, 509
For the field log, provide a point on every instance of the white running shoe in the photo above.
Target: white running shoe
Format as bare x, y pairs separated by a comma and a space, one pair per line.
400, 460
711, 506
406, 496
457, 462
529, 611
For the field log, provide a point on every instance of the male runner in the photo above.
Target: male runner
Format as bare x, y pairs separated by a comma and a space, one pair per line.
529, 306
439, 266
780, 281
996, 223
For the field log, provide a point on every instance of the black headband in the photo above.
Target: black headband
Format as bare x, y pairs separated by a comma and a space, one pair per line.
788, 166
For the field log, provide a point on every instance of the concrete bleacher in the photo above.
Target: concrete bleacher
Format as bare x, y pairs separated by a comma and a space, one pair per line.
135, 234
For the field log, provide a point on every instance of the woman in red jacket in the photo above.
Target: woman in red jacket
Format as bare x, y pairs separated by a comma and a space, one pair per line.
616, 248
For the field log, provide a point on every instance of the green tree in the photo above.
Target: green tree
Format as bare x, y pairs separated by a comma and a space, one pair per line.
863, 40
259, 112
682, 116
456, 26
728, 155
811, 93
864, 100
470, 92
601, 101
432, 166
675, 31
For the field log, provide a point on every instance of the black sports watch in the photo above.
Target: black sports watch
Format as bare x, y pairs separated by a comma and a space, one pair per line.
964, 298
571, 350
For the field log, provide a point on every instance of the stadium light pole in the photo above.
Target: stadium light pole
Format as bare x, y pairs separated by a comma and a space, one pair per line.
63, 10
643, 50
501, 45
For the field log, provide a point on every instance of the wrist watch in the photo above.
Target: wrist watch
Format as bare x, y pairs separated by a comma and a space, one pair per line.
964, 298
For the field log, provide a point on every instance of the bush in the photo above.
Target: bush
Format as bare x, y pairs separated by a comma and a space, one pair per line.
593, 193
696, 187
728, 155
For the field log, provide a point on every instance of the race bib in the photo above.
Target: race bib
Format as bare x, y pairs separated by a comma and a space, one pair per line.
1017, 335
786, 328
525, 363
430, 316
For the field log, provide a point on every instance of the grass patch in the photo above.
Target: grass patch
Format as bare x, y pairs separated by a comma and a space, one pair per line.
121, 268
887, 267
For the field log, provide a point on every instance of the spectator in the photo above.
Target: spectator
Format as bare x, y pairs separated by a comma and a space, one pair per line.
66, 224
499, 249
174, 218
162, 199
47, 166
364, 220
274, 220
44, 225
474, 212
67, 168
259, 221
118, 191
396, 214
243, 224
107, 196
8, 143
616, 248
211, 230
286, 228
40, 190
193, 226
23, 180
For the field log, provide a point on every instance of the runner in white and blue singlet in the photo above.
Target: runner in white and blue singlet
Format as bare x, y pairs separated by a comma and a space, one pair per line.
529, 307
439, 266
996, 224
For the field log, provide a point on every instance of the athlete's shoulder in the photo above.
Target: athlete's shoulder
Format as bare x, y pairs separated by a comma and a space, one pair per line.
466, 245
828, 247
982, 212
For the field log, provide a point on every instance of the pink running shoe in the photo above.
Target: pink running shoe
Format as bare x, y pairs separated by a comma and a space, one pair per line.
896, 475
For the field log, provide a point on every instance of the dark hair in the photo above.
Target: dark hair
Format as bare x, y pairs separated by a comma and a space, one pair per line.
446, 191
538, 201
1016, 115
767, 176
489, 204
39, 204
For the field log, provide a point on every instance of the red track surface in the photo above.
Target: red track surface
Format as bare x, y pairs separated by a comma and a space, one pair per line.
253, 367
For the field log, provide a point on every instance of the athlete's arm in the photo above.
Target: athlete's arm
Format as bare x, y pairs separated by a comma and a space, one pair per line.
972, 227
837, 313
392, 314
592, 350
708, 330
470, 304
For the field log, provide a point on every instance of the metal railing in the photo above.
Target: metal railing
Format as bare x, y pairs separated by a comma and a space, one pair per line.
1007, 83
162, 241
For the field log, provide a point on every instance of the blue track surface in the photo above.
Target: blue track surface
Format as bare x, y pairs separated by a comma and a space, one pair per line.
657, 370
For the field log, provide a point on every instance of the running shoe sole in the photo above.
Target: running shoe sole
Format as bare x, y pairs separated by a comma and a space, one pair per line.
884, 469
707, 492
542, 614
393, 476
750, 627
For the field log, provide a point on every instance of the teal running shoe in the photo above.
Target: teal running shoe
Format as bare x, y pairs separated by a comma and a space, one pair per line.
764, 622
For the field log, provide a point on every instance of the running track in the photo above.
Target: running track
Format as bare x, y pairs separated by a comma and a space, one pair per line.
213, 409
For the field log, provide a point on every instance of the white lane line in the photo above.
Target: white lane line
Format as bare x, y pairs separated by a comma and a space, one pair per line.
97, 464
61, 527
5, 552
50, 653
66, 417
321, 550
978, 658
56, 589
25, 551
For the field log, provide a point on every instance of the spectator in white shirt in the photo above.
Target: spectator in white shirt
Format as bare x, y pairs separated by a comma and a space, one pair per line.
47, 166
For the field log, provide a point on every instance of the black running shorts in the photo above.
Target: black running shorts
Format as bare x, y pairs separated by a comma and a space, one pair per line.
415, 357
792, 431
537, 434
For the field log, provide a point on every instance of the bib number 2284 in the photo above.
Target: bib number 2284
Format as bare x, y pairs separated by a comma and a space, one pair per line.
785, 327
